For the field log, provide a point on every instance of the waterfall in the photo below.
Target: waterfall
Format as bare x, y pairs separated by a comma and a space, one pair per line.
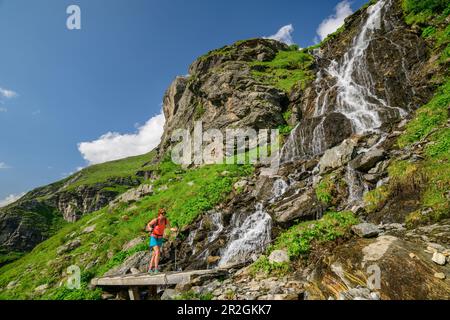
248, 238
352, 93
217, 222
280, 186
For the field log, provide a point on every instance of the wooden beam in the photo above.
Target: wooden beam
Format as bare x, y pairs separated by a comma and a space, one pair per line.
133, 292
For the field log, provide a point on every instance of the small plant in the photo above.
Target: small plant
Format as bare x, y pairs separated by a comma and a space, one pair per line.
376, 198
263, 265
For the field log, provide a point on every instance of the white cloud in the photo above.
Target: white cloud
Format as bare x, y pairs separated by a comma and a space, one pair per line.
113, 145
3, 110
335, 21
10, 199
4, 166
8, 94
284, 35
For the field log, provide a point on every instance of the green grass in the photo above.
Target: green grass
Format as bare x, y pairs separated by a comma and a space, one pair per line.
189, 193
109, 171
191, 295
286, 70
297, 240
429, 117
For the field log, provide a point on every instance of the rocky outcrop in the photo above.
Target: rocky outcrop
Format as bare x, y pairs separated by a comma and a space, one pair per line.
221, 92
397, 265
29, 220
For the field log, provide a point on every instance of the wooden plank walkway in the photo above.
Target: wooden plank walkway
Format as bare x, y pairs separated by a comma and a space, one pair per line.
143, 280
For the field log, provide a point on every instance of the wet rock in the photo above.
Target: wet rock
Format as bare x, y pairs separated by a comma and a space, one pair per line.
337, 156
279, 256
368, 160
439, 258
366, 230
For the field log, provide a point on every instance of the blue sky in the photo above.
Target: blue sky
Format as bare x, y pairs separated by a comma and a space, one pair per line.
59, 87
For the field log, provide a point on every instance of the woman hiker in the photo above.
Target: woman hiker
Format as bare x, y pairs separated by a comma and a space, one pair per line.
157, 227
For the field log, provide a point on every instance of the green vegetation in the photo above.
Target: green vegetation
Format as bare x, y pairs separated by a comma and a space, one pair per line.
191, 295
375, 199
430, 177
289, 68
430, 16
328, 189
297, 240
263, 265
324, 190
184, 193
428, 118
109, 171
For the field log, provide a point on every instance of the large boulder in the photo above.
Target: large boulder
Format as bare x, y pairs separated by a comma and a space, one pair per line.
338, 156
366, 161
303, 205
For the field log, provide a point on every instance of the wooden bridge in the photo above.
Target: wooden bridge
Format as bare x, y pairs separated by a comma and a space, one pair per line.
134, 282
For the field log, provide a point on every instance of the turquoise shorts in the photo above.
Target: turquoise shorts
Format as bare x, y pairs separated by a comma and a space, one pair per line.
155, 242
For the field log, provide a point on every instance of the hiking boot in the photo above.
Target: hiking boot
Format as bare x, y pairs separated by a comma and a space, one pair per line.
150, 271
156, 271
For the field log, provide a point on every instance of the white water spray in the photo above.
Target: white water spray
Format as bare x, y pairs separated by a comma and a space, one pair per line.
249, 238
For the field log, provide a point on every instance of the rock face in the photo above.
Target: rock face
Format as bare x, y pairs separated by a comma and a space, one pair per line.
221, 92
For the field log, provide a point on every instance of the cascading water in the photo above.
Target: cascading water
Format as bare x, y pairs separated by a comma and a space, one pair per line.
248, 238
217, 226
280, 186
352, 93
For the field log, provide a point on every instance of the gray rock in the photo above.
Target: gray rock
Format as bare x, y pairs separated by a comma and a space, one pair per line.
366, 230
240, 184
89, 229
11, 285
127, 265
69, 247
337, 156
303, 205
134, 194
169, 294
368, 160
439, 258
279, 256
41, 288
133, 243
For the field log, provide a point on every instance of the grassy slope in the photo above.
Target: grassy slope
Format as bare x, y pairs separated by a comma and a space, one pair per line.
47, 219
188, 194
